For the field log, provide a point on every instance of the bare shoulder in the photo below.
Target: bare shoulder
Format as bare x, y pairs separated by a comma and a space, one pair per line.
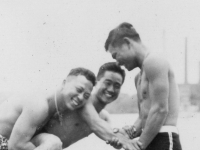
36, 106
104, 114
155, 64
85, 109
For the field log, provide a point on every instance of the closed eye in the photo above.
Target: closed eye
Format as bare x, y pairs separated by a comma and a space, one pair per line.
79, 90
86, 95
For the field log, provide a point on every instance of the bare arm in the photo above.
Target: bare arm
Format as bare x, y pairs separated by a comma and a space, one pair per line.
157, 74
25, 128
100, 127
136, 129
46, 141
105, 116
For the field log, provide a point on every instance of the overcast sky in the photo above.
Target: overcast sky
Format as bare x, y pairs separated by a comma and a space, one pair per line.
40, 41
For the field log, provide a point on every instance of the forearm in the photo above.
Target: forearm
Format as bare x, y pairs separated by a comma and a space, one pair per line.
18, 146
153, 124
132, 131
138, 127
103, 130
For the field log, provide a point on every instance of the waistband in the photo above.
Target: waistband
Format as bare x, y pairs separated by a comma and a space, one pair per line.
172, 129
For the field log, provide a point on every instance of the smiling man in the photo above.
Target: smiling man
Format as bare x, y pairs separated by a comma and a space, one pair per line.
157, 90
21, 118
81, 123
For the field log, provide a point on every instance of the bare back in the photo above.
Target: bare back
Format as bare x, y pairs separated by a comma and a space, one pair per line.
144, 100
12, 109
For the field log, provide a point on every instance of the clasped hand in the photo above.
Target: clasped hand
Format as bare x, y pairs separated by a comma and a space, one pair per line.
122, 141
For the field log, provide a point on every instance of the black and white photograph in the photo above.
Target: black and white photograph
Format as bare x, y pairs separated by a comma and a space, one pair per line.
99, 75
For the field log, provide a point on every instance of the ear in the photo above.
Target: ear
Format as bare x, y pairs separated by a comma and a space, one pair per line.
127, 41
64, 81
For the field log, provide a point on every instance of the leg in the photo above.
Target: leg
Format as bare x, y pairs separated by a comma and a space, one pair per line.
45, 141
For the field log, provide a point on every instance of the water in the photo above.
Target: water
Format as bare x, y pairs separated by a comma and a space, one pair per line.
188, 124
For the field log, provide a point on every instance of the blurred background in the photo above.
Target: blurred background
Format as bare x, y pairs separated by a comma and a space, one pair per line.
40, 41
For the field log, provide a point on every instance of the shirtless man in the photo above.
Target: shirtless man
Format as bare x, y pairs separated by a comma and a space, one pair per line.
20, 118
157, 91
74, 127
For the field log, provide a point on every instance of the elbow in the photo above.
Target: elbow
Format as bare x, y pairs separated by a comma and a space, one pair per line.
163, 111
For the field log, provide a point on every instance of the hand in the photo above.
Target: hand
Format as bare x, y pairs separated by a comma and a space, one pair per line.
130, 130
115, 143
120, 131
133, 145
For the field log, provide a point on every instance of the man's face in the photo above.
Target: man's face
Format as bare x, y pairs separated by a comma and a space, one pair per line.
108, 87
77, 91
122, 55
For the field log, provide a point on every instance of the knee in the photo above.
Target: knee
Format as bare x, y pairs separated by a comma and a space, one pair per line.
55, 142
47, 142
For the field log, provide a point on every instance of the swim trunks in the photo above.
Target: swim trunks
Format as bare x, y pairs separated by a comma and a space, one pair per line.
3, 143
166, 140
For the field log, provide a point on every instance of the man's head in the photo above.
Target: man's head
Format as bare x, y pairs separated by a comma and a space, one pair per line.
109, 81
120, 44
77, 87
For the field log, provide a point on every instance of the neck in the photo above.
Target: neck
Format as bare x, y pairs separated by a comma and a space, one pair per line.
98, 104
141, 54
59, 101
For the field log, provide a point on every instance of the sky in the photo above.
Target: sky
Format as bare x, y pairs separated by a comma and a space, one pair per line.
41, 41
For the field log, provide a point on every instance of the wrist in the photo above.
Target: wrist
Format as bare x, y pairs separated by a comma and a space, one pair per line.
134, 130
141, 144
115, 130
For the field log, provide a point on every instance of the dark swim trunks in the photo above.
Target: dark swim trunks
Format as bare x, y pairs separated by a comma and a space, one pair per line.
3, 143
165, 141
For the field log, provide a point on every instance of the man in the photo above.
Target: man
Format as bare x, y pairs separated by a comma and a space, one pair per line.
21, 118
74, 127
157, 91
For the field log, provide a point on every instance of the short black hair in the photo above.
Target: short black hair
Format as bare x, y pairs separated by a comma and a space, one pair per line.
84, 72
116, 36
113, 67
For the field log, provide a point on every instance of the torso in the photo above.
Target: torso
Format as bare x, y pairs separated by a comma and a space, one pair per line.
73, 128
145, 102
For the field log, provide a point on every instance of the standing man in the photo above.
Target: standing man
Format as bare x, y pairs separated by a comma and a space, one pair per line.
157, 90
21, 118
75, 127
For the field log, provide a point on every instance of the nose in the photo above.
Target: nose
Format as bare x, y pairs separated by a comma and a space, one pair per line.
80, 97
111, 89
114, 55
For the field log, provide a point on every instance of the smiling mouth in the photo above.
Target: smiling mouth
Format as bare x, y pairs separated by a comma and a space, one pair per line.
75, 102
109, 95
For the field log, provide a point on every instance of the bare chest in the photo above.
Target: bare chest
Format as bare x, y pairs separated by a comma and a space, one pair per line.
142, 87
72, 129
